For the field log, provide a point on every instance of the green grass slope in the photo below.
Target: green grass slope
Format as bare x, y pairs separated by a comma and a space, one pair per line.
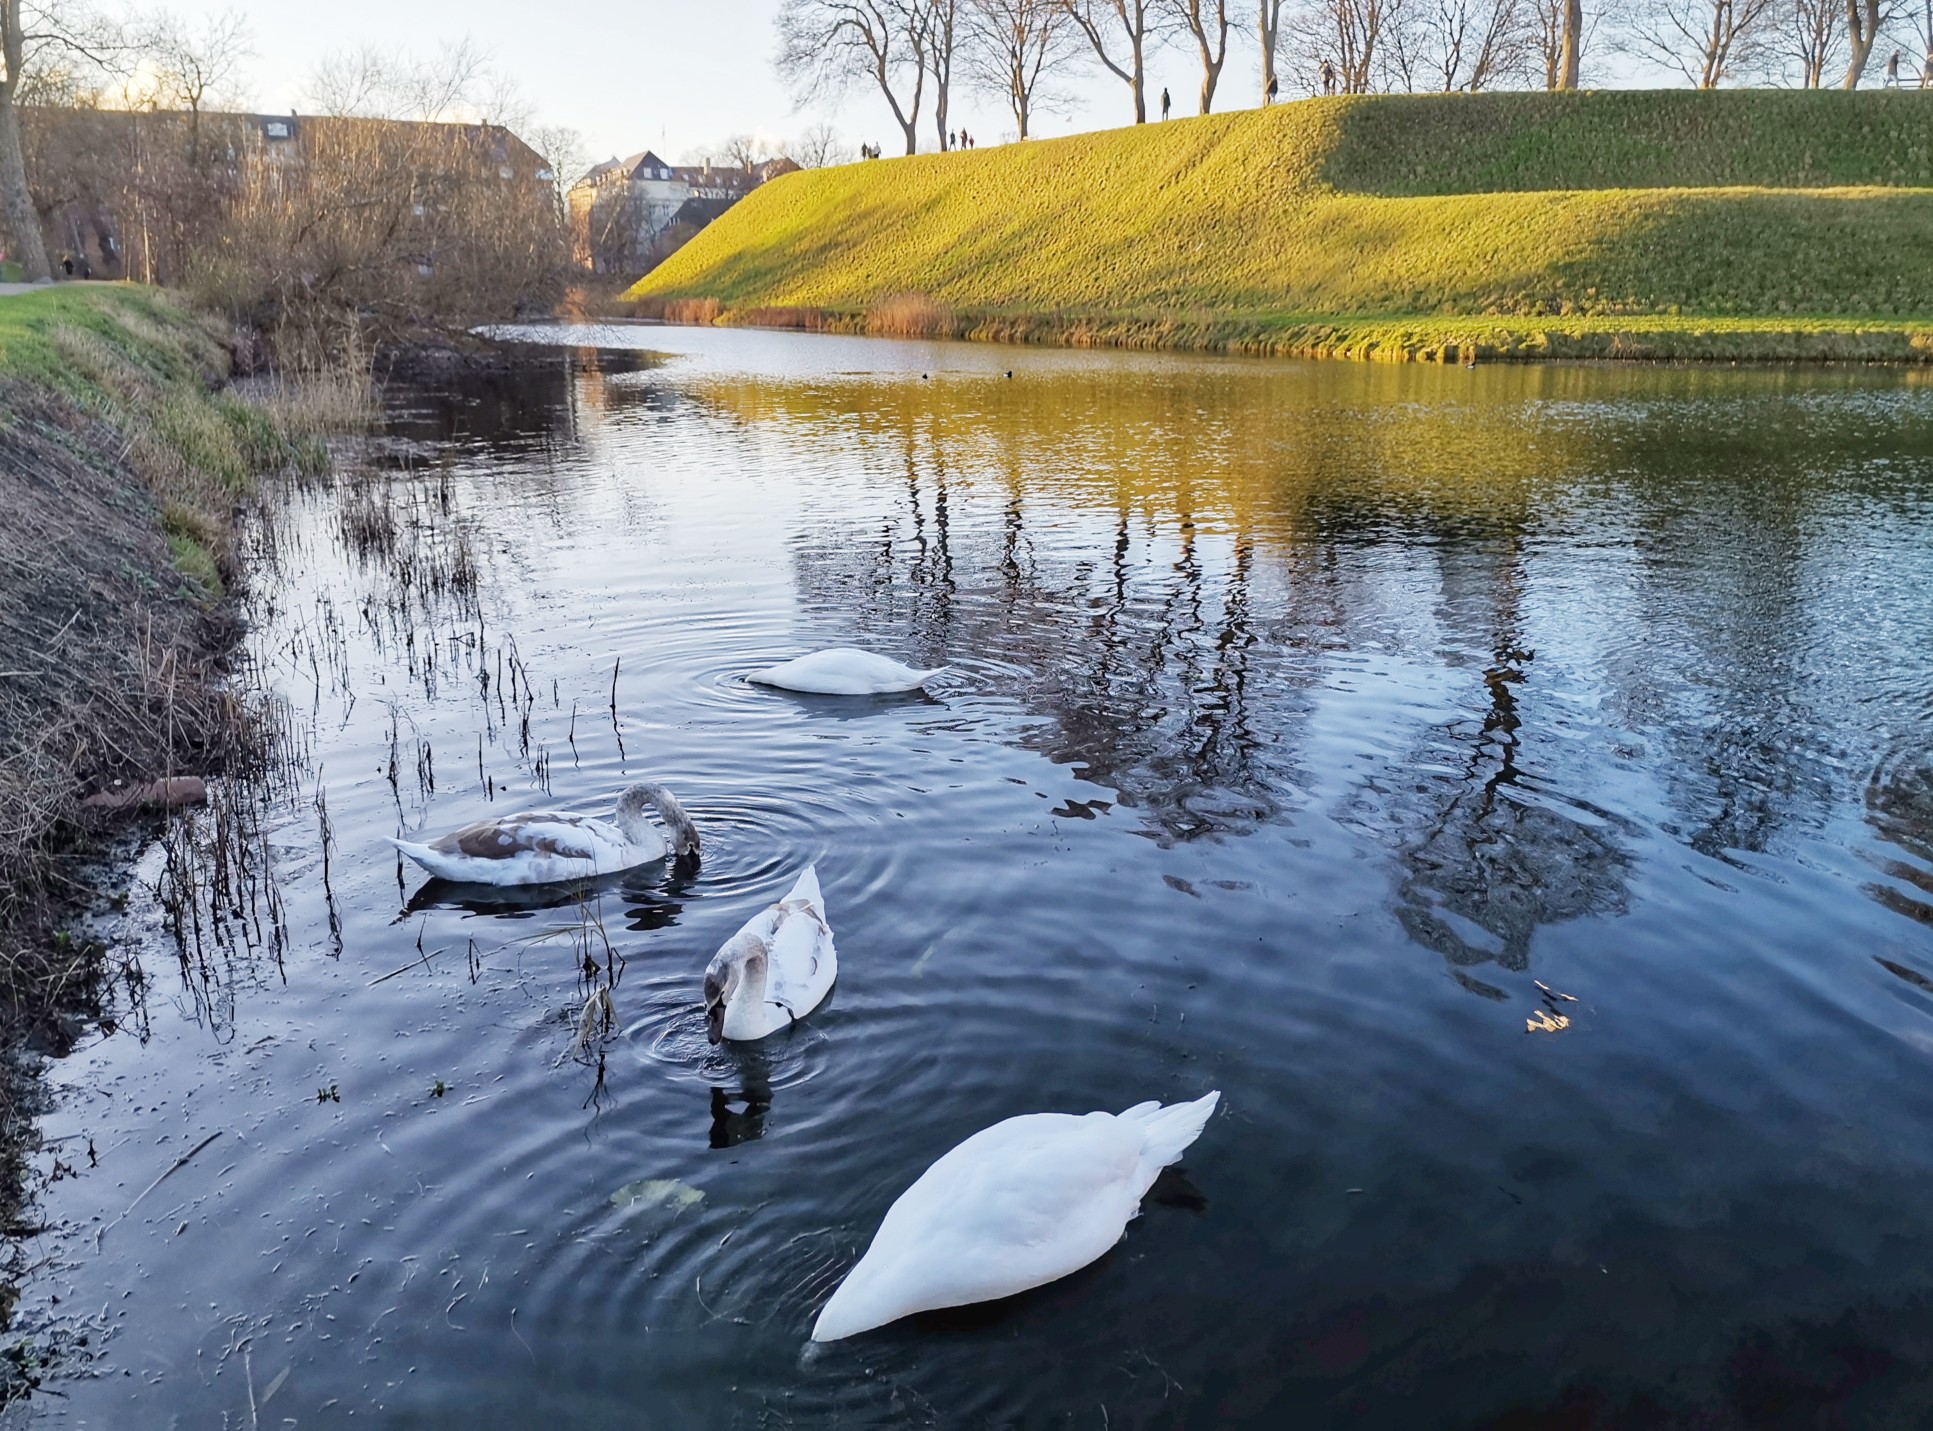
1740, 224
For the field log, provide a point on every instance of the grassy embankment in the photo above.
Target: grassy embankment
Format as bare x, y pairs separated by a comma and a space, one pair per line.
123, 469
1740, 224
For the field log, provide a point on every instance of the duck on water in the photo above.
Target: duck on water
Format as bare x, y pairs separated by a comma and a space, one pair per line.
547, 847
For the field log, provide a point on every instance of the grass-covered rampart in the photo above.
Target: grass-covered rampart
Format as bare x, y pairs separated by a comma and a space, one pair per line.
1739, 224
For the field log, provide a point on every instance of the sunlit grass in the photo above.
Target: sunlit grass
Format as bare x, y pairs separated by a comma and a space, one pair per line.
1274, 228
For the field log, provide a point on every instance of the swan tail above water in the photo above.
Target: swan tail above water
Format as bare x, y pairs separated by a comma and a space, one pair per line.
806, 889
1168, 1132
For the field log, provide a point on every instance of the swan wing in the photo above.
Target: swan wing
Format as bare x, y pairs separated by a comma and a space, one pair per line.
531, 847
804, 961
1015, 1206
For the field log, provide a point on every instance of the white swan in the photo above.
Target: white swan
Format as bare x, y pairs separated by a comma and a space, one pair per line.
543, 847
775, 970
844, 671
1015, 1206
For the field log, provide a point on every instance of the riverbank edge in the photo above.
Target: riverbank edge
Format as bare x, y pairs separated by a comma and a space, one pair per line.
129, 463
1367, 338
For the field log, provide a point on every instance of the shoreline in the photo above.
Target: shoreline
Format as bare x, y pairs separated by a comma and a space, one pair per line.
1702, 340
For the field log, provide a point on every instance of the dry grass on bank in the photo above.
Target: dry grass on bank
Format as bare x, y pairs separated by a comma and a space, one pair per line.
126, 467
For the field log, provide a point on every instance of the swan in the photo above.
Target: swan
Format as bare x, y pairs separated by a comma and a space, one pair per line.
539, 847
1015, 1206
775, 970
844, 671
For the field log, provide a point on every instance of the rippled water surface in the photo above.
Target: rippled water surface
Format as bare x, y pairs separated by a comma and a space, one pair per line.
1311, 732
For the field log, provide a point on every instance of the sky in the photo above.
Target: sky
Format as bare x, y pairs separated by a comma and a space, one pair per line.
678, 76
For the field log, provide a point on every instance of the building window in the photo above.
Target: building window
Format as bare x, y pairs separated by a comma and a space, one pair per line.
276, 129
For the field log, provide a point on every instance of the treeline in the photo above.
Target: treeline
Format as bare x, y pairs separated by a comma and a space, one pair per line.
400, 199
919, 53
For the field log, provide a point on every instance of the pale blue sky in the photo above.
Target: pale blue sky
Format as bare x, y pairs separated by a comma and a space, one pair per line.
669, 74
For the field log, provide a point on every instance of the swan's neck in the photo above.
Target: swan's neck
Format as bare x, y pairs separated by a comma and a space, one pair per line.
746, 1014
637, 829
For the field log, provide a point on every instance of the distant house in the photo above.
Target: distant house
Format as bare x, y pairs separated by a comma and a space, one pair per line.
627, 215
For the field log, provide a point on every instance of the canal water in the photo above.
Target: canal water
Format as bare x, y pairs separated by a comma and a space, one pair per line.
1512, 788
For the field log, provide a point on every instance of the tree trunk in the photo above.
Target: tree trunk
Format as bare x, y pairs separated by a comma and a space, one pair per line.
22, 218
1862, 31
1573, 43
16, 199
1269, 14
1139, 84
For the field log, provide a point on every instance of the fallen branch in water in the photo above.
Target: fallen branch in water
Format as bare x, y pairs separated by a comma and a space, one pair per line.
179, 1163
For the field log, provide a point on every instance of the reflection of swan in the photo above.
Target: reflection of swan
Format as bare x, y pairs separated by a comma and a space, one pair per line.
844, 671
544, 848
1015, 1206
775, 970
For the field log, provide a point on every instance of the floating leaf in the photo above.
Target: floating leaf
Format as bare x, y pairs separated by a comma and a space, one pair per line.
1546, 1023
658, 1192
1567, 998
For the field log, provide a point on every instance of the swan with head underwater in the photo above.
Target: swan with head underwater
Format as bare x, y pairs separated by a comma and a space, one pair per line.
775, 970
844, 671
1014, 1207
548, 847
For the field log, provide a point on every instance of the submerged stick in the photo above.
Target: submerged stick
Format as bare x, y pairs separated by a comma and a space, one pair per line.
179, 1163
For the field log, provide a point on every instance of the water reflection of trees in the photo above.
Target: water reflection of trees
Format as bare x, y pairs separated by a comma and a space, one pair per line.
1165, 563
1899, 806
1490, 854
1162, 566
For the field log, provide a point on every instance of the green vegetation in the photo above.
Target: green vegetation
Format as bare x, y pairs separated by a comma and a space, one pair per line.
1737, 224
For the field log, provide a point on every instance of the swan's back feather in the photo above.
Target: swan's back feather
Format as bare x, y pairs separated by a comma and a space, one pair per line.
844, 671
1015, 1206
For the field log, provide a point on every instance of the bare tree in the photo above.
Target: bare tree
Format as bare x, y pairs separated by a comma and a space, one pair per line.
942, 35
188, 66
827, 45
1123, 33
821, 147
1707, 41
1570, 45
1206, 21
1864, 20
1558, 34
1466, 45
36, 40
565, 159
457, 84
1268, 14
1811, 36
1351, 35
1014, 47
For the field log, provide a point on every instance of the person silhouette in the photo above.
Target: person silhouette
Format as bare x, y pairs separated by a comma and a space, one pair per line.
1164, 101
1892, 70
1328, 77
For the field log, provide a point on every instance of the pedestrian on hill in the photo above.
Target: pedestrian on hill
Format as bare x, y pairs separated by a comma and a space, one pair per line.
1268, 96
1164, 101
952, 140
1892, 70
1328, 77
1926, 70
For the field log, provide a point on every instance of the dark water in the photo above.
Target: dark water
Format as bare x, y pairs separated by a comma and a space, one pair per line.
1304, 719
